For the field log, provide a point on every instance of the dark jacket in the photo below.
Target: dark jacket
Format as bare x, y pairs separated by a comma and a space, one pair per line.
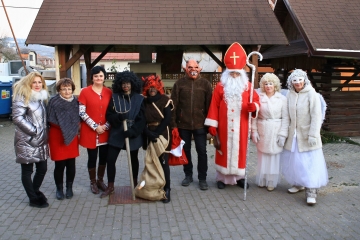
160, 115
135, 116
191, 100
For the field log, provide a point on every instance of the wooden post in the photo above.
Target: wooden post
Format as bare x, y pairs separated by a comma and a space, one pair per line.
87, 58
57, 63
62, 60
75, 71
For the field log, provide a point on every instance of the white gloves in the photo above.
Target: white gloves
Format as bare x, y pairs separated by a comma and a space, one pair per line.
255, 137
312, 141
281, 141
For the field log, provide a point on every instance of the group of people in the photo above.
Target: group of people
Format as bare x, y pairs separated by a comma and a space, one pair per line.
286, 130
287, 136
56, 127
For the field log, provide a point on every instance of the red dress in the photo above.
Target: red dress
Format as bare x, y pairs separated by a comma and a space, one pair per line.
58, 150
96, 107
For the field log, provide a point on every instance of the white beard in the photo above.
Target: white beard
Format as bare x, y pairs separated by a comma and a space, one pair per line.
234, 87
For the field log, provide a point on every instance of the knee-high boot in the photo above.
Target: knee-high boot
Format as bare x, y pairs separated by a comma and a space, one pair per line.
100, 181
93, 185
108, 191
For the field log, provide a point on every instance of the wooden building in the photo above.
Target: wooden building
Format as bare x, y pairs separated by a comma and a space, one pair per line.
324, 39
164, 27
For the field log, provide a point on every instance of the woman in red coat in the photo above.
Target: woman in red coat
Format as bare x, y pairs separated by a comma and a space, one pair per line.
93, 102
64, 122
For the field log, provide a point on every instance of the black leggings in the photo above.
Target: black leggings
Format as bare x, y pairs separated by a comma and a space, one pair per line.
59, 170
92, 155
113, 153
32, 186
164, 160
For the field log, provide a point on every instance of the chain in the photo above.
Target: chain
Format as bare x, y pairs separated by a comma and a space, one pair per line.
120, 104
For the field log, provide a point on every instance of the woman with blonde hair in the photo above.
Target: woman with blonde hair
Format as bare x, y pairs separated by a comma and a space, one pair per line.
31, 136
269, 131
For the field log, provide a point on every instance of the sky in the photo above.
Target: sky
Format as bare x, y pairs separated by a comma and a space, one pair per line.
22, 14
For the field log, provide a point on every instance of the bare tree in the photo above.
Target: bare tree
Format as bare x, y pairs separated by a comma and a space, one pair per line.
7, 53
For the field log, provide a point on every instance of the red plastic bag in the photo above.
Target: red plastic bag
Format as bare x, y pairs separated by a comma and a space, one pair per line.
177, 154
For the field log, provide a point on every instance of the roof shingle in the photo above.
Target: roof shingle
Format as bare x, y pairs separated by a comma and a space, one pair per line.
327, 24
156, 22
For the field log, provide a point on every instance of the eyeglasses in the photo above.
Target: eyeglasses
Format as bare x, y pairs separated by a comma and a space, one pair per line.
66, 90
126, 83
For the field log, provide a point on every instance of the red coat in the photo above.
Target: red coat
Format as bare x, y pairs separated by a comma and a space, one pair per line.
96, 109
233, 125
58, 150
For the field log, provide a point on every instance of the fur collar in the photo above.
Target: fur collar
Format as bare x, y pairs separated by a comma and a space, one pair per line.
36, 96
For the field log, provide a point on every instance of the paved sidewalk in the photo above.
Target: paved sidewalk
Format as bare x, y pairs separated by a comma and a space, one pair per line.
192, 213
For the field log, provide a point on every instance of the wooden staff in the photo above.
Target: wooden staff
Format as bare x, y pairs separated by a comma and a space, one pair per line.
127, 144
251, 100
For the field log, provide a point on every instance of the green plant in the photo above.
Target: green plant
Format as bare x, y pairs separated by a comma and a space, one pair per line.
113, 67
329, 137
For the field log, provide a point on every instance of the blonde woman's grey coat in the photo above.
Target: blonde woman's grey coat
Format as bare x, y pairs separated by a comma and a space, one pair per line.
31, 133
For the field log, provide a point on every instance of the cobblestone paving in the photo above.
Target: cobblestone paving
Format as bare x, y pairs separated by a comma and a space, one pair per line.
192, 213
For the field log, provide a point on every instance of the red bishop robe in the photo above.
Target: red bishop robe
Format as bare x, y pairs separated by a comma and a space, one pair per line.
232, 123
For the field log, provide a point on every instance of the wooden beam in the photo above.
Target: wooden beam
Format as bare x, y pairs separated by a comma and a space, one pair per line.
93, 64
63, 56
353, 77
87, 58
76, 56
75, 71
207, 50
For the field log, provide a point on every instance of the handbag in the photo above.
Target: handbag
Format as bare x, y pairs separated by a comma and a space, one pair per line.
177, 154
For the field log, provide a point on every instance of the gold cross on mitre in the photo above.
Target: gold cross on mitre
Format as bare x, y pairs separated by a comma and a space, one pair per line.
234, 57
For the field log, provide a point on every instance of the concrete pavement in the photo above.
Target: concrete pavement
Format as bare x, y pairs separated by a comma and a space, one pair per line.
192, 213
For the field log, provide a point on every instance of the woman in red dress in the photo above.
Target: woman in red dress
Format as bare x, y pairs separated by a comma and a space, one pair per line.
93, 102
64, 122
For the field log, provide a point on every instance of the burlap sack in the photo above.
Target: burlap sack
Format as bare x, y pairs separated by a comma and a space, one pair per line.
153, 174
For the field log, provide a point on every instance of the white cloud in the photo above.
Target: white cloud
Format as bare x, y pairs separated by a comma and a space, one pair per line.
22, 14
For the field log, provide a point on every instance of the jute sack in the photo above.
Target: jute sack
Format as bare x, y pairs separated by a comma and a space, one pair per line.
153, 174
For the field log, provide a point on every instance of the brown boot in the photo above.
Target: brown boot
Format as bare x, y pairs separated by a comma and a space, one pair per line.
93, 186
100, 181
108, 191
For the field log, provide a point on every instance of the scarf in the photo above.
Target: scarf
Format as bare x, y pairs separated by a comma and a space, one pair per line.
65, 114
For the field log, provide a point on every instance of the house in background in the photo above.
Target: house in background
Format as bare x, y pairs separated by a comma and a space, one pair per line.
41, 62
116, 62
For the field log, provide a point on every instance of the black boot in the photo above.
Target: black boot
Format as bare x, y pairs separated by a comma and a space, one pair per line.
41, 195
135, 181
60, 191
167, 194
69, 190
38, 202
110, 190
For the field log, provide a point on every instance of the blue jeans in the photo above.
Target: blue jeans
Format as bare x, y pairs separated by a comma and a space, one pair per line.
200, 137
